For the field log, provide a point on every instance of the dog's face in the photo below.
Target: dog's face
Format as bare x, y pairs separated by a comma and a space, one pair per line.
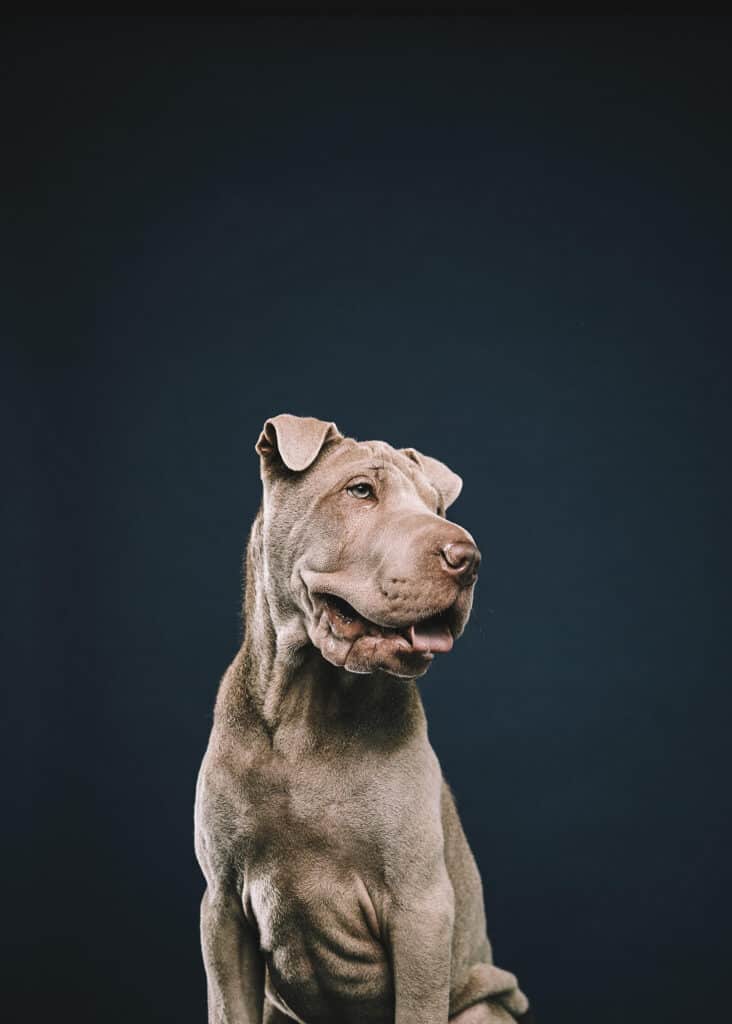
358, 548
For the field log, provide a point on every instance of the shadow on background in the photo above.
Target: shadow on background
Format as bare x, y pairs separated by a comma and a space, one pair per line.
501, 241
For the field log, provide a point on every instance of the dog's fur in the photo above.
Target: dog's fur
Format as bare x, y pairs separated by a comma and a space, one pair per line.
340, 885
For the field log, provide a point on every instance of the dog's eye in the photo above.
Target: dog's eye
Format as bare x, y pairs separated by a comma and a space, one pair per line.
360, 490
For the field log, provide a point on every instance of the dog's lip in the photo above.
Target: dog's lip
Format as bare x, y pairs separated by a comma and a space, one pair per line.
336, 600
443, 631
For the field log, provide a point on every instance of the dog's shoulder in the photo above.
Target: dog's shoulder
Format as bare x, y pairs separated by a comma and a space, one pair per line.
230, 784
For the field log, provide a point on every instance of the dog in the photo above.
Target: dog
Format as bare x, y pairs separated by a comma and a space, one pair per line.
340, 887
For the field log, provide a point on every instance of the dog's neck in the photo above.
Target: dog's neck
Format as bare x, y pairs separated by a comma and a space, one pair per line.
283, 680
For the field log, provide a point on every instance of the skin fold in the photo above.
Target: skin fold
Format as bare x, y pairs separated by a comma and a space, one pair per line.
340, 887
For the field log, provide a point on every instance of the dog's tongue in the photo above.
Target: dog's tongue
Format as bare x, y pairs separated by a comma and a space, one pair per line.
430, 635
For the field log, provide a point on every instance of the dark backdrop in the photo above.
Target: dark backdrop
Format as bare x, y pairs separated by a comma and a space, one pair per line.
501, 241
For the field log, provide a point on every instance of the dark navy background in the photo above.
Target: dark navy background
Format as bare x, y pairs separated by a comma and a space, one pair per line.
501, 241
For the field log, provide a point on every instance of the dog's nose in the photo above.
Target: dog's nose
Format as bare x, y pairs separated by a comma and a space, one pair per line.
461, 559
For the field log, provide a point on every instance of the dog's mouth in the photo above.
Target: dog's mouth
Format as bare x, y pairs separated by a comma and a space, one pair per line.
433, 634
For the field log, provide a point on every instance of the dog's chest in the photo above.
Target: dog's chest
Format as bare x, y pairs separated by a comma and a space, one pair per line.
310, 831
312, 854
307, 807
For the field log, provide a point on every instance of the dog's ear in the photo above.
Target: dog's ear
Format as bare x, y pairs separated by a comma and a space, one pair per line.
442, 478
296, 439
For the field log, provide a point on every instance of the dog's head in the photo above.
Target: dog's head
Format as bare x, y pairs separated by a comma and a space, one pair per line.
358, 550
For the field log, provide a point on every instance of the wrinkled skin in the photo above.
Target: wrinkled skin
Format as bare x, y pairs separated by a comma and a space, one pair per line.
340, 886
380, 554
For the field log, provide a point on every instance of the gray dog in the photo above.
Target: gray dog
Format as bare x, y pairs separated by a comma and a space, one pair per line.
340, 886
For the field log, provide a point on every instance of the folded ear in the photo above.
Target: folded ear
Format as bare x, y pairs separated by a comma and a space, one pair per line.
441, 477
296, 439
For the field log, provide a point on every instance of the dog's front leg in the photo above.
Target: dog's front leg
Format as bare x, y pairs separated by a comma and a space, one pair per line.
234, 966
420, 938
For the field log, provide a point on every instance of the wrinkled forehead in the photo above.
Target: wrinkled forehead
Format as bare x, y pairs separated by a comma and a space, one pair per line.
374, 457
